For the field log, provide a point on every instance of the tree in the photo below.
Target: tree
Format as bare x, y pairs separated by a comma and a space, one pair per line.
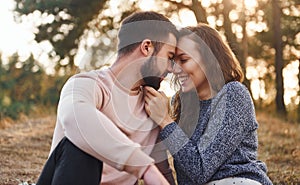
20, 83
68, 21
280, 106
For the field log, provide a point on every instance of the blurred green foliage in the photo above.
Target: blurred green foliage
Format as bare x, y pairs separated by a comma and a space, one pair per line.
25, 85
69, 21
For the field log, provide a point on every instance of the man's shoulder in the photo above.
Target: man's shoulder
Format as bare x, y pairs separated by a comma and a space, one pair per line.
93, 74
101, 77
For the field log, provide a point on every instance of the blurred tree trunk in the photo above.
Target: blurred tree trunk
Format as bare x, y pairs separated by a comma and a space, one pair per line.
280, 107
199, 11
244, 54
196, 7
240, 50
231, 38
298, 110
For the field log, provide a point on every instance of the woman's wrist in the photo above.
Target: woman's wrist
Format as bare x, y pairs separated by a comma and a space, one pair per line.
166, 122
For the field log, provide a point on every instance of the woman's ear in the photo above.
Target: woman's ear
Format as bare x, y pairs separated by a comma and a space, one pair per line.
146, 47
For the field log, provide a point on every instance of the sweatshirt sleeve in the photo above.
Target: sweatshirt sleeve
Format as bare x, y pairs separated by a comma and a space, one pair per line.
93, 132
162, 161
231, 117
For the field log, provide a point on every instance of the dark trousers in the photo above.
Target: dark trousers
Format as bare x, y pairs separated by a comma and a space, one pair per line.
68, 165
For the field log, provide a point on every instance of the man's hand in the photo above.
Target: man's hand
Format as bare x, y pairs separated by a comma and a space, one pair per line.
157, 106
152, 176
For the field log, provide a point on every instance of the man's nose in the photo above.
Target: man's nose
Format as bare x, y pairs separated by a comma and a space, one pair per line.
170, 67
176, 69
171, 64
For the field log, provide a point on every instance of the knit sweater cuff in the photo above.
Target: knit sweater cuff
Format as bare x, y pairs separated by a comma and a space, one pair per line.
167, 130
174, 137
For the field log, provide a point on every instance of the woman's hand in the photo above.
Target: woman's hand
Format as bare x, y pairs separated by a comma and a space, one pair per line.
157, 106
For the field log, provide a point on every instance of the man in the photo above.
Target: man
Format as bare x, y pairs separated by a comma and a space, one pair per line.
102, 127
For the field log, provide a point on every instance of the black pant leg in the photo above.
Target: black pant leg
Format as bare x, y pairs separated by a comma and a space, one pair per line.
47, 173
72, 167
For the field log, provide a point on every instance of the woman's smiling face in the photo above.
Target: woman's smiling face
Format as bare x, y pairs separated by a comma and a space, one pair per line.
188, 68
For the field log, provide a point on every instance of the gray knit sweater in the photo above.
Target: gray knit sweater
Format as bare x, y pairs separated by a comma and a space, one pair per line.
224, 143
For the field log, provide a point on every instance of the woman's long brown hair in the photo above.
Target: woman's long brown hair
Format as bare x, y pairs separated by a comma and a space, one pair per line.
227, 61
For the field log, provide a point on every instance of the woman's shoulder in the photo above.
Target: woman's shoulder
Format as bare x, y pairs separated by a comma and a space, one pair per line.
234, 90
235, 85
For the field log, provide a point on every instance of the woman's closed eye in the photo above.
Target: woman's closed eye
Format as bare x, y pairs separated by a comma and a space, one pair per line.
183, 60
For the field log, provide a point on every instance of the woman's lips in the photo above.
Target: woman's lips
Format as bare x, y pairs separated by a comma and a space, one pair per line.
183, 79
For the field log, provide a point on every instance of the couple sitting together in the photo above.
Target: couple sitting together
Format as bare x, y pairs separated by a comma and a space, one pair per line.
113, 126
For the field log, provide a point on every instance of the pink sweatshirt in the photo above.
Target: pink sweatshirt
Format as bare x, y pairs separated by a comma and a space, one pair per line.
100, 117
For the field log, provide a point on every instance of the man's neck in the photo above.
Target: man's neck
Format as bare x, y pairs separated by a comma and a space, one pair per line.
127, 72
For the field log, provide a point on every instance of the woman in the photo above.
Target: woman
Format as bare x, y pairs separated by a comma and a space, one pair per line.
212, 134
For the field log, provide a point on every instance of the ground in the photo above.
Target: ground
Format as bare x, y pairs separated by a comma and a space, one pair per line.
24, 148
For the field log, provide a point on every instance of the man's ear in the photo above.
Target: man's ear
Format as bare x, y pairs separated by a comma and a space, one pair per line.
146, 47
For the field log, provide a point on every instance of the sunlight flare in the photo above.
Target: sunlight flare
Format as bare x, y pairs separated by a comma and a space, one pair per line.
250, 3
147, 5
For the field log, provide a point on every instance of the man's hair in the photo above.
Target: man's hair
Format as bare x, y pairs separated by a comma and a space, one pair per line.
144, 25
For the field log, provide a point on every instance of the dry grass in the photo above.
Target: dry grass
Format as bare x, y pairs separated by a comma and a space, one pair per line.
24, 148
279, 147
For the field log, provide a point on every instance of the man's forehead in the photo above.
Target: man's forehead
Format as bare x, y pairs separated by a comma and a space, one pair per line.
170, 44
169, 49
171, 40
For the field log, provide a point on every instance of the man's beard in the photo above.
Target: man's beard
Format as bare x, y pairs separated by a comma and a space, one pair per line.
152, 81
150, 73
